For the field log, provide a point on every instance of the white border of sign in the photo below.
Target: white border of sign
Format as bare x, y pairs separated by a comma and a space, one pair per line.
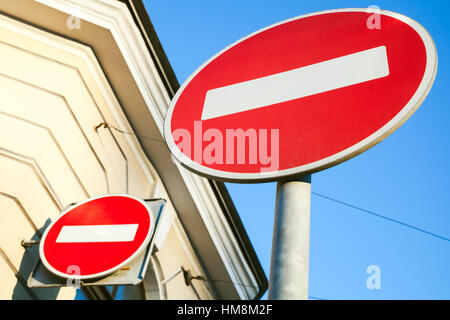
412, 105
109, 271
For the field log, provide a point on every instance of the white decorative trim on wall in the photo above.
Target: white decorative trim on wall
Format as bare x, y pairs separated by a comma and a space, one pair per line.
114, 16
95, 71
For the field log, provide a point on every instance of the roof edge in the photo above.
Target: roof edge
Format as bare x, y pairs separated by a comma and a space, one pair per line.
143, 22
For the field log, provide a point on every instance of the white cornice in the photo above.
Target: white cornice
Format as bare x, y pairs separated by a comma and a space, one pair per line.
114, 16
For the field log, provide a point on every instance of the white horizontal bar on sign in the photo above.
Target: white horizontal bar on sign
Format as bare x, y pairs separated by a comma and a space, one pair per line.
297, 83
97, 233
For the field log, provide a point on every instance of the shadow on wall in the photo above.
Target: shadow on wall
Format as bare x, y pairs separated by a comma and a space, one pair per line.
28, 262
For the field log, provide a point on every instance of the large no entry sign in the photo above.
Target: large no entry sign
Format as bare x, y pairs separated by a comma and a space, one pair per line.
301, 95
97, 237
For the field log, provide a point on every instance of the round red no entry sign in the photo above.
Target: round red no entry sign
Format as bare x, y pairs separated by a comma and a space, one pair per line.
301, 95
97, 237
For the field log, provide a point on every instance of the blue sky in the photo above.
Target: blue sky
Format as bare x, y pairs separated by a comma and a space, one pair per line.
405, 177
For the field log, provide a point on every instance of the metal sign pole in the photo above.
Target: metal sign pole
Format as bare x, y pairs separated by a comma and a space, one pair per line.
290, 245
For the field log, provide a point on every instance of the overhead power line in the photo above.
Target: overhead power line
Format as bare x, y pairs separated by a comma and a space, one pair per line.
382, 217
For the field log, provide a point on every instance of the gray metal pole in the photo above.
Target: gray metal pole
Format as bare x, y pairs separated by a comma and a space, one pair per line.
290, 245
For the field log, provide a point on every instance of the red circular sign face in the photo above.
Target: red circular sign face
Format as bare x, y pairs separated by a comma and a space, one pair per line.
301, 95
97, 237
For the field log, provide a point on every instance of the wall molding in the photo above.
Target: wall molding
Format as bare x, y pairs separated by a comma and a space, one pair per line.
115, 16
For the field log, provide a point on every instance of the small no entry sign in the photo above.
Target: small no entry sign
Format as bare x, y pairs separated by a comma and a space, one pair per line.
97, 237
301, 95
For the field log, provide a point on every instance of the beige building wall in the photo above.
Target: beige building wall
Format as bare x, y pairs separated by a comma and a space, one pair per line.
53, 97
